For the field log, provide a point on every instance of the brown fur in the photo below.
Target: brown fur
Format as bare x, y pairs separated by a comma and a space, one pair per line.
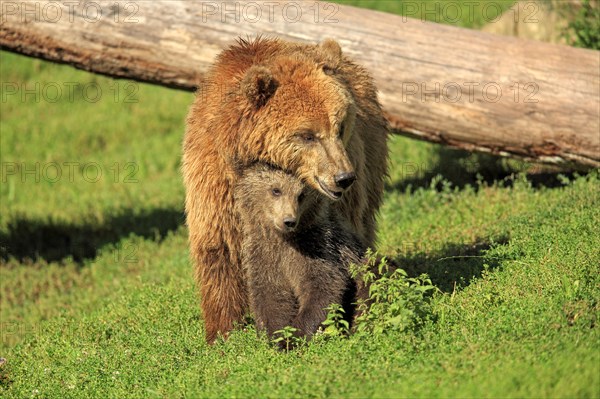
265, 100
293, 271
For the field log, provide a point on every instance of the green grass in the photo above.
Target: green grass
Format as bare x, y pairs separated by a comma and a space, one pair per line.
465, 13
97, 297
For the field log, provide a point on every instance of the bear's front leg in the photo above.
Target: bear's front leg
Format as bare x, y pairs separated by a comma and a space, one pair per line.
314, 301
224, 297
273, 305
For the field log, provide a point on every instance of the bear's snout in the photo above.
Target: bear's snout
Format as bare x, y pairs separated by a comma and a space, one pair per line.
344, 180
290, 223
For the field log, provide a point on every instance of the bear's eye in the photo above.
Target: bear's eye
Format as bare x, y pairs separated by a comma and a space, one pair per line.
301, 196
276, 192
328, 70
308, 137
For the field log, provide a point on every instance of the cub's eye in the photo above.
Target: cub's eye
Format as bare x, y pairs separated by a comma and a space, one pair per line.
328, 70
301, 196
276, 192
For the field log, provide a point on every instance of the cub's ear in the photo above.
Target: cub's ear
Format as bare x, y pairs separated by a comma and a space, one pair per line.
332, 53
237, 166
258, 85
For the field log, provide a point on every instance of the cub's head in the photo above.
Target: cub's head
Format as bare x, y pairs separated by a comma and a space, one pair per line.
298, 114
272, 198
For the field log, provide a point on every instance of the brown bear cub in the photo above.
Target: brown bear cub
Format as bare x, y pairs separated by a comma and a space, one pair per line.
295, 251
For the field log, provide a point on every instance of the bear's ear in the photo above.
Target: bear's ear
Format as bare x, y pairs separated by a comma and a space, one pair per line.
258, 85
237, 166
333, 55
332, 49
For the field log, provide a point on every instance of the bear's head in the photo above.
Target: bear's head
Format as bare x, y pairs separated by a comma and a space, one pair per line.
272, 198
298, 114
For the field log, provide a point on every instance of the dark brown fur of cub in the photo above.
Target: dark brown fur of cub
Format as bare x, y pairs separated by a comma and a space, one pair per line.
295, 251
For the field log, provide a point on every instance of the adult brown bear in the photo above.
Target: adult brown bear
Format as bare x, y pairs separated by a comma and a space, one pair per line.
306, 109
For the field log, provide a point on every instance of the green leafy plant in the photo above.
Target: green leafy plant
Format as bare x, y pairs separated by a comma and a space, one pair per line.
335, 325
287, 338
584, 29
396, 302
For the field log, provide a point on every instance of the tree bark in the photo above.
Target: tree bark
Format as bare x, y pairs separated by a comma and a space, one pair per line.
460, 87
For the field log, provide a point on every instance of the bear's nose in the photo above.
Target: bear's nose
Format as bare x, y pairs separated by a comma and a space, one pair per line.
289, 222
344, 180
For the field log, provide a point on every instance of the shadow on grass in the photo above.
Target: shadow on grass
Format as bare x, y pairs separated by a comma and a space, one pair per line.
35, 240
462, 168
453, 266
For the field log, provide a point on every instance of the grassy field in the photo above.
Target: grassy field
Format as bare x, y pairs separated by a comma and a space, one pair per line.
465, 13
97, 296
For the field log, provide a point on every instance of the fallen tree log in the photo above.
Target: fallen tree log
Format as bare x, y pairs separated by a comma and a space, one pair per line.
460, 87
